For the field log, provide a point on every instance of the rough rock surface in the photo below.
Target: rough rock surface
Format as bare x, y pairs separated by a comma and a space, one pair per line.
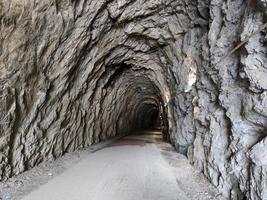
73, 73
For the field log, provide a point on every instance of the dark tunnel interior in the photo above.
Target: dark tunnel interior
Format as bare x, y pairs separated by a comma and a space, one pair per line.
140, 99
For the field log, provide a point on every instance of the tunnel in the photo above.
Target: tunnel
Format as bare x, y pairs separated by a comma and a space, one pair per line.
77, 73
139, 100
149, 117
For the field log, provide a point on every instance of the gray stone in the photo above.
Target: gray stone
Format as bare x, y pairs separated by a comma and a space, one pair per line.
73, 73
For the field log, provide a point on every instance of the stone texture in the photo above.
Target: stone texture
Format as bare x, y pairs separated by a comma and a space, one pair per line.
73, 73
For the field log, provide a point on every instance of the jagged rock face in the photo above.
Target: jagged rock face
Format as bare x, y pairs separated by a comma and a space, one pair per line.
74, 73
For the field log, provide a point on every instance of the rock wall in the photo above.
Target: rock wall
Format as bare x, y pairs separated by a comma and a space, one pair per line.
74, 73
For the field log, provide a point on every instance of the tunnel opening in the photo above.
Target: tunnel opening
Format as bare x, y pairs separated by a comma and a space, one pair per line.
150, 115
135, 99
150, 118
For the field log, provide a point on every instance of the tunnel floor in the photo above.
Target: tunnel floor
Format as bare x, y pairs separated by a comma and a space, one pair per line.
137, 167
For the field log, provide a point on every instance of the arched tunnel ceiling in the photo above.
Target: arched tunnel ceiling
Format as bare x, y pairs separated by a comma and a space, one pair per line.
74, 73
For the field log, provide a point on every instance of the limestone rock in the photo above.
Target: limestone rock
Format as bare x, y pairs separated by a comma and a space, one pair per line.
73, 73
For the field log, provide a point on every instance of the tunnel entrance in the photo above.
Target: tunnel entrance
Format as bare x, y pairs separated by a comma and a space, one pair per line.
150, 118
151, 115
139, 100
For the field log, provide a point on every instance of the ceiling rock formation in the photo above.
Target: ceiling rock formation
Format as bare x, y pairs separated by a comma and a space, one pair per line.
75, 72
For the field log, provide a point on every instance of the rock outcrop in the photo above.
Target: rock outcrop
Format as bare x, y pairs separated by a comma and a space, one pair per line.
75, 72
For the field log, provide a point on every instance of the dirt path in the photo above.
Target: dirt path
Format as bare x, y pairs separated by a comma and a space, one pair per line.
138, 167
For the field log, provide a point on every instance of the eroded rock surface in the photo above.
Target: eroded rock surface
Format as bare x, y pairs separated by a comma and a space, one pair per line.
73, 73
